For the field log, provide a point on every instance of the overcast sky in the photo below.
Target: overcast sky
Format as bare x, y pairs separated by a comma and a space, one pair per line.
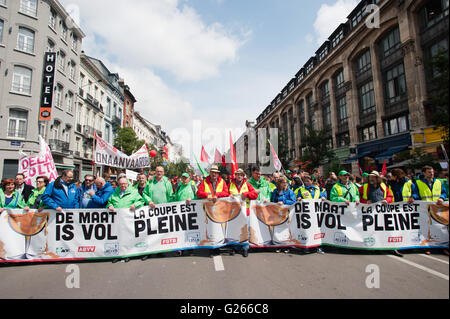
212, 63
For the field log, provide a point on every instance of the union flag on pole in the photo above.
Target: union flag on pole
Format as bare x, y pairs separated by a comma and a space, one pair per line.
234, 165
276, 161
204, 156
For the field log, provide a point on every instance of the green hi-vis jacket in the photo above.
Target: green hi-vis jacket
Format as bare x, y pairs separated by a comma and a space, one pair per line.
130, 197
265, 191
341, 193
17, 201
158, 193
184, 192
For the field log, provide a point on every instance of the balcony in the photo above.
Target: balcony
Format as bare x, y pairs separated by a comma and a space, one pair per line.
117, 121
88, 130
59, 146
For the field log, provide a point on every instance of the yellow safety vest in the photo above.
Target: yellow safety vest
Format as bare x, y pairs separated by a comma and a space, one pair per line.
366, 190
244, 189
426, 194
219, 187
306, 194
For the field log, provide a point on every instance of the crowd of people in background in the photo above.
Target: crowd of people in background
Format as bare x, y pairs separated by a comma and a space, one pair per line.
284, 189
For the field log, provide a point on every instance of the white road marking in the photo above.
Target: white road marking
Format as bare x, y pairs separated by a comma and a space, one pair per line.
434, 258
431, 271
218, 263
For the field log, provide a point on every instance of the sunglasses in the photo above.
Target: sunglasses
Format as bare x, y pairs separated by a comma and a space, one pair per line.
88, 180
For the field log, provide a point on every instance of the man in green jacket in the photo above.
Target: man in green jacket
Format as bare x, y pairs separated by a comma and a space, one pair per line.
159, 190
260, 185
344, 191
125, 196
186, 190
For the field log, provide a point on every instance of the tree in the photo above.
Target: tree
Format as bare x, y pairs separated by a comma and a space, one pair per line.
127, 141
439, 98
317, 150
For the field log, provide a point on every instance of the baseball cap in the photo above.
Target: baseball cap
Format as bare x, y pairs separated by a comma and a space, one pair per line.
343, 173
185, 175
365, 174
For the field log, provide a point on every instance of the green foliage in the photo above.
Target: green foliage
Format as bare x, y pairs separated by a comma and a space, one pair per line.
418, 159
317, 150
127, 141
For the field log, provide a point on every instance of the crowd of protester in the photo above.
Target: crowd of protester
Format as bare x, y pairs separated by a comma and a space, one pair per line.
284, 189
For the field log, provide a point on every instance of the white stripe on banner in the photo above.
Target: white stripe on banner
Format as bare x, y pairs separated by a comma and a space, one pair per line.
428, 270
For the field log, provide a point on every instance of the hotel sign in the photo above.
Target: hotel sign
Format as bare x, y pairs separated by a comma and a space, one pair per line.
45, 110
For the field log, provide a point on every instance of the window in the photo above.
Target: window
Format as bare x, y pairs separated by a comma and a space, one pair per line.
395, 84
107, 133
368, 133
342, 109
59, 95
43, 130
326, 115
339, 79
52, 21
69, 102
358, 16
323, 53
22, 80
25, 40
3, 3
1, 30
335, 41
28, 7
64, 31
81, 80
324, 90
343, 140
62, 60
72, 70
436, 49
363, 63
17, 123
390, 43
367, 98
50, 46
309, 67
433, 12
310, 102
396, 125
108, 107
55, 130
74, 42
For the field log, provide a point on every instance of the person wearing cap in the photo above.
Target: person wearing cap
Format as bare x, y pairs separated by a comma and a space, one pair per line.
309, 190
186, 190
260, 184
365, 178
213, 187
375, 190
240, 186
159, 190
344, 191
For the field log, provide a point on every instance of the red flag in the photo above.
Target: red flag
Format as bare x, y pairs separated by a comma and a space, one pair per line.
234, 165
360, 170
204, 156
217, 157
224, 161
384, 170
276, 161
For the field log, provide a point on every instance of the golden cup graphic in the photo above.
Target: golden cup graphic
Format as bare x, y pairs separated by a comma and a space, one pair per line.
222, 212
29, 224
439, 213
272, 215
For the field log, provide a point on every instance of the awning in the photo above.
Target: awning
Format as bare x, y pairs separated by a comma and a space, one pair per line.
401, 164
357, 157
390, 152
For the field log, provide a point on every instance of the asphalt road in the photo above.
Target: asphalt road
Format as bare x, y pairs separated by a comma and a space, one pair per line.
338, 274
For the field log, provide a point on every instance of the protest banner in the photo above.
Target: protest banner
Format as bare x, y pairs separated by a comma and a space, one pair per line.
106, 154
313, 223
99, 234
34, 166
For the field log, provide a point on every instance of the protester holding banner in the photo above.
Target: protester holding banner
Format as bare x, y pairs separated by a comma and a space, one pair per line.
159, 190
429, 188
402, 188
186, 190
62, 193
141, 183
85, 190
375, 191
100, 197
35, 200
125, 196
260, 185
344, 191
9, 196
213, 186
22, 188
309, 190
282, 194
240, 186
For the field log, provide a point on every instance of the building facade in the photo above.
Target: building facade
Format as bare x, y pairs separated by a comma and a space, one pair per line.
368, 85
28, 29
